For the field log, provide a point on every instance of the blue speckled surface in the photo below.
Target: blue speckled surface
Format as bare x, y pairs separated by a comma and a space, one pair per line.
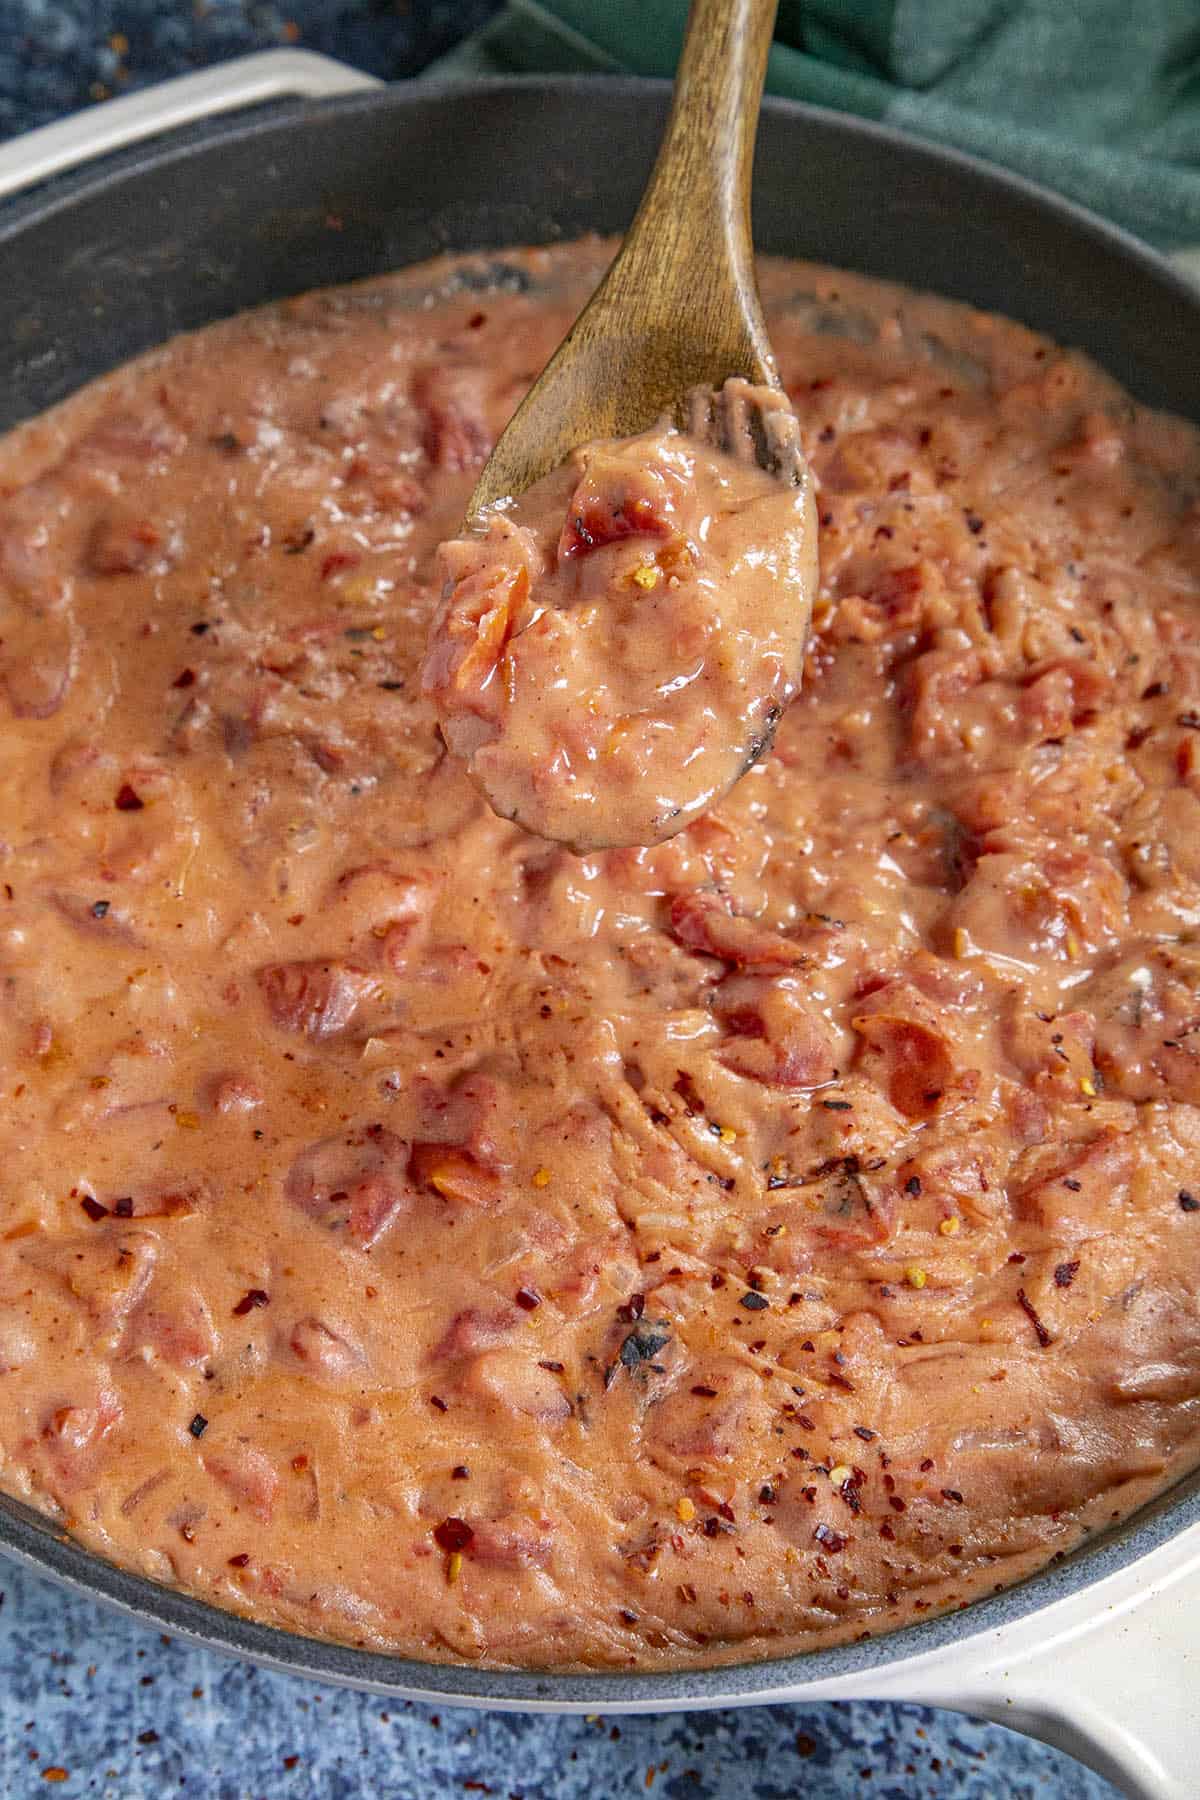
56, 55
123, 1713
130, 1715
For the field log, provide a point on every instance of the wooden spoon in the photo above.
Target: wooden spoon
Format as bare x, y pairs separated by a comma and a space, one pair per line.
621, 736
679, 307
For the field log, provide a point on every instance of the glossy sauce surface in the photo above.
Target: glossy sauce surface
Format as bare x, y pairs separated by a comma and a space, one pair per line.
615, 648
419, 1234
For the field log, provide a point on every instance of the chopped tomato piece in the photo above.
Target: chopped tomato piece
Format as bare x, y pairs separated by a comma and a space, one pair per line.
614, 500
708, 923
454, 1174
318, 999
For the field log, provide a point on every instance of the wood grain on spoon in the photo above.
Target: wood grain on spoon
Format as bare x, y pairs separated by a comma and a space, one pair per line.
679, 307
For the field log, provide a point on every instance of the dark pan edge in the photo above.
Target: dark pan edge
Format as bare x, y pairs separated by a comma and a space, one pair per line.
33, 1541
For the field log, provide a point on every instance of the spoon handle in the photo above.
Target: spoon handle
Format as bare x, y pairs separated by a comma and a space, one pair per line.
679, 307
688, 258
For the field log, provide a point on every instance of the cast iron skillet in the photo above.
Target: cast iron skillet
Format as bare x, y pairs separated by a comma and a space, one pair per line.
99, 266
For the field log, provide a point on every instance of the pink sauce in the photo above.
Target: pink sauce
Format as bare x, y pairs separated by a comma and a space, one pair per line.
421, 1235
615, 648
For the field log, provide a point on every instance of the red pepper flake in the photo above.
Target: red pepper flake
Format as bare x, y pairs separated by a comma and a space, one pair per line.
460, 1472
550, 1365
837, 1106
100, 908
453, 1534
437, 1401
913, 1185
896, 1503
925, 1464
805, 1424
953, 1495
829, 1538
127, 800
123, 1208
632, 1309
239, 1562
1027, 1307
184, 679
1017, 1257
198, 1426
706, 1393
767, 1495
726, 1512
93, 1208
627, 1617
147, 1737
1065, 1273
865, 1433
338, 559
1189, 720
254, 1297
1188, 1202
527, 1300
1074, 1186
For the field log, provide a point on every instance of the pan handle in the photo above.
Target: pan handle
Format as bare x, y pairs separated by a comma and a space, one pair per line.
1120, 1694
246, 81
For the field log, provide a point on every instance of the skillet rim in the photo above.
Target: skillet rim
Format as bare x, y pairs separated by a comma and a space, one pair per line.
37, 1543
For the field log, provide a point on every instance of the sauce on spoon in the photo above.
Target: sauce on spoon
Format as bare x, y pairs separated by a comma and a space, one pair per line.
614, 648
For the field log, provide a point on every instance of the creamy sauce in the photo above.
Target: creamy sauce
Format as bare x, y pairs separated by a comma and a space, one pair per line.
617, 647
418, 1234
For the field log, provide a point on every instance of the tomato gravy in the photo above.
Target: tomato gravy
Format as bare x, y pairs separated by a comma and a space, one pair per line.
418, 1234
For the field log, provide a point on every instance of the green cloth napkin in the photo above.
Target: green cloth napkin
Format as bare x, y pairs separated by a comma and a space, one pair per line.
1097, 98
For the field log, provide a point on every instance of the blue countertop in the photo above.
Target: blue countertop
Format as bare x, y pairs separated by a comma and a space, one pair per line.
94, 1704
